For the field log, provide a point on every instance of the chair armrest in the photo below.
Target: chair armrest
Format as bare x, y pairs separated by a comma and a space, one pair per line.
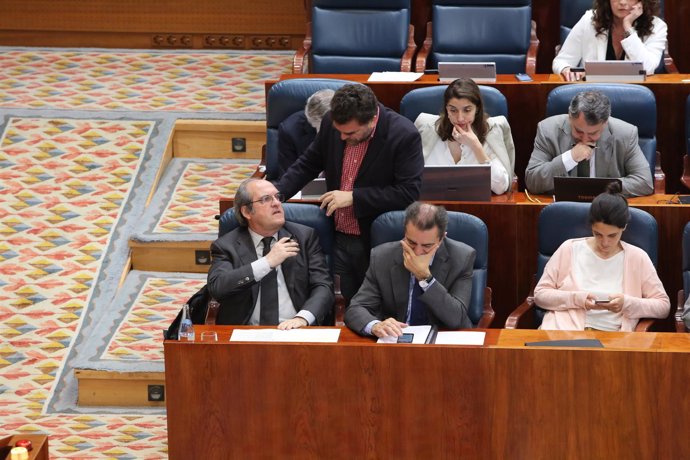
644, 325
488, 313
423, 54
406, 61
678, 315
339, 302
531, 60
298, 65
669, 65
685, 178
260, 172
659, 176
517, 319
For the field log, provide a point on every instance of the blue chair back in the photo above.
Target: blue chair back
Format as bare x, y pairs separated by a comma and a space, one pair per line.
571, 12
564, 220
285, 98
686, 260
635, 104
306, 214
481, 31
430, 100
358, 36
462, 227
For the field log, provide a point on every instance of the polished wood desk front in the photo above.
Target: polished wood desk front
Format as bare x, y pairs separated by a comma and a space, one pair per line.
512, 224
358, 399
527, 106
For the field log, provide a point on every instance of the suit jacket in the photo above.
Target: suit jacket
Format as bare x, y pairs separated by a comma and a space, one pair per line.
583, 44
618, 155
389, 178
558, 292
385, 291
232, 283
295, 134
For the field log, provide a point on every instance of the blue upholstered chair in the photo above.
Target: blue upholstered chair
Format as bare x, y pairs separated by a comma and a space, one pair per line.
311, 216
500, 31
683, 293
635, 104
357, 36
572, 11
285, 98
461, 227
430, 100
564, 220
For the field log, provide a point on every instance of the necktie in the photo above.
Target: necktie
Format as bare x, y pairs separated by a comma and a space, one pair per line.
417, 307
583, 168
269, 292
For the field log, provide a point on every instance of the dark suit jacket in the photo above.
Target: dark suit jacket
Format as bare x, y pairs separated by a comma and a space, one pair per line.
295, 134
385, 291
389, 178
232, 283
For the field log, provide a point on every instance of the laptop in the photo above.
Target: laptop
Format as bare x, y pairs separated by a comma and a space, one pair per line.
314, 189
480, 72
456, 183
614, 71
582, 189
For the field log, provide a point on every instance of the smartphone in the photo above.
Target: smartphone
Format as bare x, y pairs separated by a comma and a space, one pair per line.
523, 77
406, 338
577, 69
602, 300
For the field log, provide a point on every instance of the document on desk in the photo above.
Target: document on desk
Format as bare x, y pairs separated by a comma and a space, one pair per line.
421, 334
460, 338
307, 334
395, 76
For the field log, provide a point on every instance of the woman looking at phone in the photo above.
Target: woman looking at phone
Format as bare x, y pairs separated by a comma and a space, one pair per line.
600, 282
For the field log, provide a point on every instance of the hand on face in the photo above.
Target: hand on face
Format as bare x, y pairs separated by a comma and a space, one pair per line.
582, 151
465, 135
418, 265
635, 12
281, 250
335, 199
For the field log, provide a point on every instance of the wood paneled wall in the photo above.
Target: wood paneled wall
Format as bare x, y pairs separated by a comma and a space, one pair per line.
232, 24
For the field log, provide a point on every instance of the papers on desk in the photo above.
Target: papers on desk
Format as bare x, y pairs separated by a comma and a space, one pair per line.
306, 334
421, 334
395, 76
460, 338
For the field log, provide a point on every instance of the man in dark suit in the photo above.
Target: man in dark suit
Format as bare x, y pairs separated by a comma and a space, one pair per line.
268, 271
372, 161
424, 279
297, 132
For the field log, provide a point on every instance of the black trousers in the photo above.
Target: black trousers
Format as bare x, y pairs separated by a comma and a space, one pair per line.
351, 263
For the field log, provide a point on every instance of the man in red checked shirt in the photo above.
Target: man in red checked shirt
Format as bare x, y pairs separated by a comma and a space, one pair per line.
372, 161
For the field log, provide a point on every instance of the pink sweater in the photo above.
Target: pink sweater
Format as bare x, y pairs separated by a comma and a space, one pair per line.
558, 291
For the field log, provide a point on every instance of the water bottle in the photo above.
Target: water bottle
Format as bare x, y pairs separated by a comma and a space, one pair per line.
186, 326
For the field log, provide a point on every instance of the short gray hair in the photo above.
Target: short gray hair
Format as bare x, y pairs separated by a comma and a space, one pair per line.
317, 105
595, 106
243, 198
425, 216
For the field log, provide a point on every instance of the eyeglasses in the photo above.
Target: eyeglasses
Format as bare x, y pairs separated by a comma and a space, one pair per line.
266, 199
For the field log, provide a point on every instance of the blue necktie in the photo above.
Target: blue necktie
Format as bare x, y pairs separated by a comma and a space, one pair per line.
417, 307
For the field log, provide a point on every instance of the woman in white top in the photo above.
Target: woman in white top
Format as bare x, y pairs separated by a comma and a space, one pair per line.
464, 135
614, 30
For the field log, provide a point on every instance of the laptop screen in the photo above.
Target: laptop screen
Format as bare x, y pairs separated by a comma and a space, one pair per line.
456, 183
582, 189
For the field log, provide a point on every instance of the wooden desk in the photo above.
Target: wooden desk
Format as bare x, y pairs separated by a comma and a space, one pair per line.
512, 224
358, 399
527, 106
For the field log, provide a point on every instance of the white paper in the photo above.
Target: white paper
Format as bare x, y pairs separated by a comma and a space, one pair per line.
306, 334
460, 338
395, 76
420, 334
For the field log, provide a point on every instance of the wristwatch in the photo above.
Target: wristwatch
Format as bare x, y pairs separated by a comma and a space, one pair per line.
424, 284
627, 33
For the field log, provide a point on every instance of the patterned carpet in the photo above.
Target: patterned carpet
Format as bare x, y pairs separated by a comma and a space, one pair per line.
73, 189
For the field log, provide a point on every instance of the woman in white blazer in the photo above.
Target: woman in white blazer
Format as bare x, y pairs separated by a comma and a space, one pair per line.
614, 30
463, 135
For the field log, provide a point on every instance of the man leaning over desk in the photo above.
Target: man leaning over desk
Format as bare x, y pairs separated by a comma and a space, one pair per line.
588, 142
268, 271
424, 279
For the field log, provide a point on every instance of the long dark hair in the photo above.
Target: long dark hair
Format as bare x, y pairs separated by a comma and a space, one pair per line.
610, 207
603, 17
463, 88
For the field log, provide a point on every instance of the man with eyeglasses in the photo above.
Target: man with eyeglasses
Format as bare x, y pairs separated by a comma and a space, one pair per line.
372, 161
268, 271
424, 279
